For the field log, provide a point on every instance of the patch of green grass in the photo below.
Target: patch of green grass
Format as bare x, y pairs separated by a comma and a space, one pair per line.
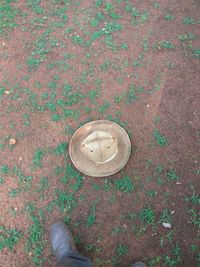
65, 201
124, 185
26, 119
73, 96
98, 3
166, 238
96, 187
175, 258
109, 28
186, 37
117, 230
56, 117
169, 17
190, 21
77, 39
2, 147
99, 17
106, 65
131, 94
120, 251
14, 192
124, 46
152, 193
194, 216
9, 237
156, 120
196, 53
39, 52
104, 107
154, 261
71, 173
198, 259
110, 42
137, 16
160, 139
139, 62
35, 5
107, 185
165, 44
145, 44
147, 216
43, 184
2, 91
35, 242
69, 113
91, 218
37, 158
194, 197
61, 148
119, 98
109, 8
4, 169
165, 216
93, 94
52, 85
33, 62
2, 181
89, 247
172, 176
60, 12
8, 15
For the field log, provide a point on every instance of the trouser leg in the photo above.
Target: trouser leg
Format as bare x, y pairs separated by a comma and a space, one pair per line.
74, 260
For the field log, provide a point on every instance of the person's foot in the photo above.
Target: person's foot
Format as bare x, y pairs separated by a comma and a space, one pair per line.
138, 264
62, 240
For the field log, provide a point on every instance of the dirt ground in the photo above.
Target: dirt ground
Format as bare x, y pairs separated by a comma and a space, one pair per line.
64, 63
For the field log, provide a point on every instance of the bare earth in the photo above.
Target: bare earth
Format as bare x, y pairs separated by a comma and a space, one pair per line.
136, 64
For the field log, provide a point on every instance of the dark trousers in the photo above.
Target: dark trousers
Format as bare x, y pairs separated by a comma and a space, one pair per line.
74, 260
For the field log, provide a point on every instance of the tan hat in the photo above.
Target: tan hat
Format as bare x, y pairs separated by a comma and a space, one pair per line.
100, 148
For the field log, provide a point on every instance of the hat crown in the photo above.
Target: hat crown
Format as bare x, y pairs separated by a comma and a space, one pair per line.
100, 147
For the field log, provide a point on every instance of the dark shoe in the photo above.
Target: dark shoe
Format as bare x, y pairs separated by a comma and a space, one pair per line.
62, 240
138, 264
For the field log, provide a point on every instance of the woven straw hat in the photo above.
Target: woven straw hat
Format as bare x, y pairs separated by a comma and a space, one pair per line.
100, 148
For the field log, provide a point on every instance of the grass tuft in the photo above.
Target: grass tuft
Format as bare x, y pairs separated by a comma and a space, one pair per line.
9, 237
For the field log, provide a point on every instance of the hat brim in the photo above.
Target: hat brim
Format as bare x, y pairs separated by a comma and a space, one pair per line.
87, 166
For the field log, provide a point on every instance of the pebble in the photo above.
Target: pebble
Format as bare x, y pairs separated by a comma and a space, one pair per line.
12, 141
167, 225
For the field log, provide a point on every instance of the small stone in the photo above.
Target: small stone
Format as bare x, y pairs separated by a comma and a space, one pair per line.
147, 106
12, 141
172, 212
7, 92
20, 159
167, 225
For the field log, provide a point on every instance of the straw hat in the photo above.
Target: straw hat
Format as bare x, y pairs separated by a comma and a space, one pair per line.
100, 148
